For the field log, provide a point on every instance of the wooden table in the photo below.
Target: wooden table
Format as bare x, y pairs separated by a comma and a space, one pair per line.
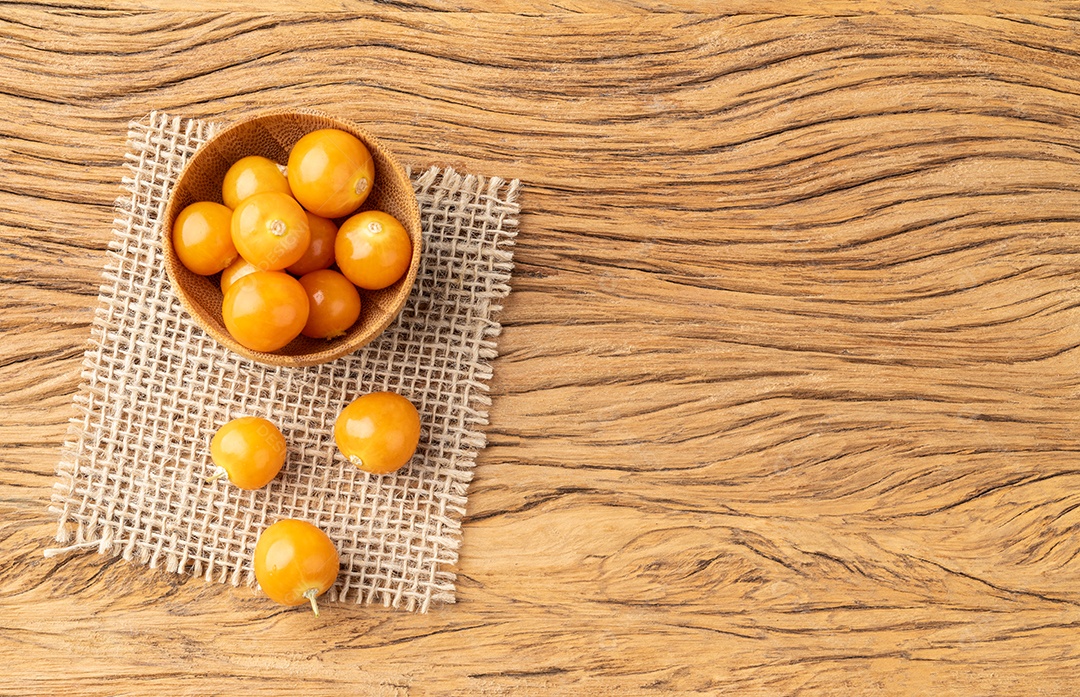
786, 400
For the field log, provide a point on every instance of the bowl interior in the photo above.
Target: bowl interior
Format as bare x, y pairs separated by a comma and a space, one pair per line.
272, 135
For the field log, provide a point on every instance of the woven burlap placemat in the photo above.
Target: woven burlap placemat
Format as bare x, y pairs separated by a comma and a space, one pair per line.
132, 478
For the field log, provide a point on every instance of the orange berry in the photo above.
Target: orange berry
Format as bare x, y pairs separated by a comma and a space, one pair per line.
373, 250
237, 270
320, 250
334, 303
330, 172
249, 450
295, 562
252, 175
270, 230
378, 432
265, 310
202, 239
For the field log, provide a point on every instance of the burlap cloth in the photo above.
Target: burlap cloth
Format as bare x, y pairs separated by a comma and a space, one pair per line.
131, 479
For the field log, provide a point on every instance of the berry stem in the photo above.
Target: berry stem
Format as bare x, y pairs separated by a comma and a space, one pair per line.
310, 594
219, 472
278, 228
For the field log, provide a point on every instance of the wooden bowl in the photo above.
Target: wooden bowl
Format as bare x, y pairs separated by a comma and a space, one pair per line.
272, 134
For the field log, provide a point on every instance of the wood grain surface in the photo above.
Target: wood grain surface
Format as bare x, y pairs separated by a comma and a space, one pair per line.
786, 400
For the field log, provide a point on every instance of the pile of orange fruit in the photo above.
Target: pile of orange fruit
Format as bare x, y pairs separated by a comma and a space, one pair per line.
276, 244
294, 255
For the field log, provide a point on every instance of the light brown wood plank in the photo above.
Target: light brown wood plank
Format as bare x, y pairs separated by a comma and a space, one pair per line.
785, 401
1026, 8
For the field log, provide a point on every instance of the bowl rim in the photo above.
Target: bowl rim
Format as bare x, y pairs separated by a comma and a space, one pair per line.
335, 348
